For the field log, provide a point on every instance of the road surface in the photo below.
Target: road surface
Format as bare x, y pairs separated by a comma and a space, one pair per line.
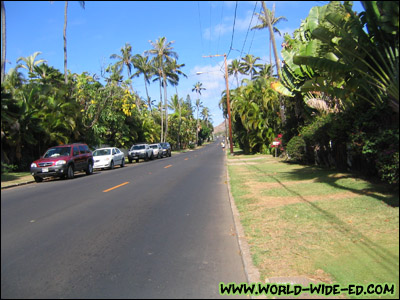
157, 229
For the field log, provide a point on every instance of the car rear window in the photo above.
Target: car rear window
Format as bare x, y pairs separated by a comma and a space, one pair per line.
101, 152
138, 147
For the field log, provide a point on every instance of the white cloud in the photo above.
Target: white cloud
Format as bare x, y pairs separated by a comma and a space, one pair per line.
227, 25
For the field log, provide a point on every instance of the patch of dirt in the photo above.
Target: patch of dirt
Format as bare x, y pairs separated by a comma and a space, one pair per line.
256, 188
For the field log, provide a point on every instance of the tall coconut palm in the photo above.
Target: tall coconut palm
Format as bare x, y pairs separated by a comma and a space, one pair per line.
235, 68
82, 4
175, 69
3, 41
163, 52
198, 88
270, 20
265, 72
264, 24
30, 61
205, 112
250, 66
176, 105
125, 59
144, 67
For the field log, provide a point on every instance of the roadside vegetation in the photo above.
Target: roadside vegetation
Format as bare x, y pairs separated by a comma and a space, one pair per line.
43, 111
317, 223
335, 101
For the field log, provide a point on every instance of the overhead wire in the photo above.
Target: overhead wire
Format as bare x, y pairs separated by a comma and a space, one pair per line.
251, 44
233, 30
220, 28
248, 29
201, 31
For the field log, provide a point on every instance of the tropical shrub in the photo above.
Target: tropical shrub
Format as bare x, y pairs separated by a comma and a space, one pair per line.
296, 149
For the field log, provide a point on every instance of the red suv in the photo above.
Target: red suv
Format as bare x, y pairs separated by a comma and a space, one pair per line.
63, 161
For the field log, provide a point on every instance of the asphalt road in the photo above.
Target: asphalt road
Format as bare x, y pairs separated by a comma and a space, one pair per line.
165, 230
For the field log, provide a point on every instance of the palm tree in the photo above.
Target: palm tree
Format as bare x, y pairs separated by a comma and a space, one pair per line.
264, 24
82, 3
198, 88
205, 112
164, 55
265, 72
249, 65
235, 69
125, 59
3, 41
30, 61
176, 105
174, 68
144, 67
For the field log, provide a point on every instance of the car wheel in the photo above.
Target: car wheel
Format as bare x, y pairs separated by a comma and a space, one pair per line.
111, 165
89, 169
152, 156
70, 172
38, 179
170, 154
123, 162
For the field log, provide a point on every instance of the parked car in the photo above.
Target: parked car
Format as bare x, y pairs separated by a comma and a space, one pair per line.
108, 157
157, 150
63, 161
140, 151
166, 149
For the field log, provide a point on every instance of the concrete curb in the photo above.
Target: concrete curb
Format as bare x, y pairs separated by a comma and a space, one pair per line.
16, 184
252, 273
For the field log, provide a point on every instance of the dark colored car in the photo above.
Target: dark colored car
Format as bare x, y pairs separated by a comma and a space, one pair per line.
62, 161
166, 149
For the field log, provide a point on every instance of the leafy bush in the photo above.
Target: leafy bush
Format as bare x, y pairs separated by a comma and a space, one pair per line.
6, 168
296, 149
388, 166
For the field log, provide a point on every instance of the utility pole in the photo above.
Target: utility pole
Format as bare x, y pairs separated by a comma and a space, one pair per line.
227, 101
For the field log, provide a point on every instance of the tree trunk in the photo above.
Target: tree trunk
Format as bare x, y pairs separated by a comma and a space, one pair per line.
161, 112
65, 43
3, 41
166, 108
148, 98
278, 66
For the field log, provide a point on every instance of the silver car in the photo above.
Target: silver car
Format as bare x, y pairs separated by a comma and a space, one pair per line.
140, 151
157, 150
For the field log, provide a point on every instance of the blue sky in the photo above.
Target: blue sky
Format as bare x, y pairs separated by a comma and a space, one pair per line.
198, 28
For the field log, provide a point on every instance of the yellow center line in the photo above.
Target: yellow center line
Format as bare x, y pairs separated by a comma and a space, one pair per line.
105, 191
167, 166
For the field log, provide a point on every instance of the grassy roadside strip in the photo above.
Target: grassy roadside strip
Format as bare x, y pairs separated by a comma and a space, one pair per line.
306, 221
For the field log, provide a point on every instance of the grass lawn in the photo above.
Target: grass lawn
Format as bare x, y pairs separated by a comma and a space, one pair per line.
15, 177
307, 221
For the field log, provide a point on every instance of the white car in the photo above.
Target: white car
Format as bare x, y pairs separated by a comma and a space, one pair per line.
108, 158
157, 150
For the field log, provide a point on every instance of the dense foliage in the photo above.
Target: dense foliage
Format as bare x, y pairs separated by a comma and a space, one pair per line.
339, 83
42, 111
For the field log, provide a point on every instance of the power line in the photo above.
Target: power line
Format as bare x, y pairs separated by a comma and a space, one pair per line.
201, 31
220, 28
251, 44
233, 30
248, 29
